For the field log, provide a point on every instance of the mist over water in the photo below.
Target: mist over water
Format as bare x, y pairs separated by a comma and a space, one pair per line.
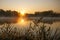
26, 24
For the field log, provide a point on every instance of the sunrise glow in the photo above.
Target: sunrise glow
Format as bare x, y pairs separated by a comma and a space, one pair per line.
22, 12
22, 20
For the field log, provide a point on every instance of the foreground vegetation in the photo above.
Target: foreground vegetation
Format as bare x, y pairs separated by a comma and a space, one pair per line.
8, 32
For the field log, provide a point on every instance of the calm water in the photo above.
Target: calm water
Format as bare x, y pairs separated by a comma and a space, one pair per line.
26, 23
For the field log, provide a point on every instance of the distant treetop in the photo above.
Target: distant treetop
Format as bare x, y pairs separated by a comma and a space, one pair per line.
8, 13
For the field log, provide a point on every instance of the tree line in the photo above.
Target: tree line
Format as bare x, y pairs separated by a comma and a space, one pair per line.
49, 13
8, 13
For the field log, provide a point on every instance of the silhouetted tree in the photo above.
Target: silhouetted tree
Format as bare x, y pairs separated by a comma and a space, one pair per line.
9, 13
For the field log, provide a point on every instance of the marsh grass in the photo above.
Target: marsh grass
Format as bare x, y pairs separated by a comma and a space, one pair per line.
37, 32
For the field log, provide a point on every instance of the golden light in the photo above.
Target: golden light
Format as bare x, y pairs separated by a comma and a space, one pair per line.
22, 20
22, 12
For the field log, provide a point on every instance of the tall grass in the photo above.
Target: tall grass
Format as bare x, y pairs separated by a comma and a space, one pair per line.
37, 32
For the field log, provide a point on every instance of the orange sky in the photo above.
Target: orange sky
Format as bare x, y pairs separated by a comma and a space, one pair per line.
30, 6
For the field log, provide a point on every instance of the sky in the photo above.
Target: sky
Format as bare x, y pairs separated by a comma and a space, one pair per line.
30, 6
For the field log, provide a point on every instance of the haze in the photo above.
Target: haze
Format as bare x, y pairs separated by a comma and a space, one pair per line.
30, 6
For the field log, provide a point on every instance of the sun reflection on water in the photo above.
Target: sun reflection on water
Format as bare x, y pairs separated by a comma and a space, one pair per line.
22, 19
22, 22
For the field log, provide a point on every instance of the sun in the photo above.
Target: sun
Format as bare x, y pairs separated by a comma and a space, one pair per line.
22, 12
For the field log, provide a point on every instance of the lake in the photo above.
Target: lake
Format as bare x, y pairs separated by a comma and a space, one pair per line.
24, 23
